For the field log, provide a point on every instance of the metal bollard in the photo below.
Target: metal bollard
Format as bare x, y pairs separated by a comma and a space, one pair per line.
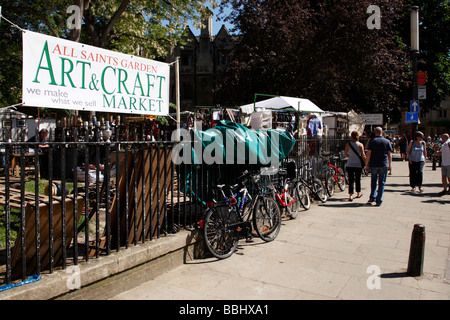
434, 163
416, 251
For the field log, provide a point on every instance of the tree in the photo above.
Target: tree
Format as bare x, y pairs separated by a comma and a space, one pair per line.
266, 59
155, 25
434, 56
148, 28
320, 50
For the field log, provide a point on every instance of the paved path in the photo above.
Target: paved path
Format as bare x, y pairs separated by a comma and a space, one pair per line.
332, 251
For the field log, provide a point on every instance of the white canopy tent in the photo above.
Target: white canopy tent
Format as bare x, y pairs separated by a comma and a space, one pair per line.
282, 103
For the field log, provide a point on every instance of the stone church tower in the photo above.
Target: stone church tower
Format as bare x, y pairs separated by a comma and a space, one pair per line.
202, 60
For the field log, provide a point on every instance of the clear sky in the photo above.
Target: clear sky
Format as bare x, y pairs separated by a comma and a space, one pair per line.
216, 23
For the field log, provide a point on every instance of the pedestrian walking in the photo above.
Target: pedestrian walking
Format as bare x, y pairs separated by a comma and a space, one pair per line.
371, 136
354, 151
378, 161
417, 153
444, 152
403, 145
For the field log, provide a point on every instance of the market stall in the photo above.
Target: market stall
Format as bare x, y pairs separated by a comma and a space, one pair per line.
296, 115
231, 148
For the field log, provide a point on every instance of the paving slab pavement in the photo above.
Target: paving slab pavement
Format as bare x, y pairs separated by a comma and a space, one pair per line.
338, 250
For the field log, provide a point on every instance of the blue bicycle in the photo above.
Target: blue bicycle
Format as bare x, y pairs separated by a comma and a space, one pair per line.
226, 222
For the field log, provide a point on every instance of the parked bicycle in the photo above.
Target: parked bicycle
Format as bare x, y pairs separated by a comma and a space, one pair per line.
303, 193
284, 190
334, 175
229, 220
312, 184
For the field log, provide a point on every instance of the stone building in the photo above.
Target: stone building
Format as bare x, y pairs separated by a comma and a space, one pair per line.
436, 122
433, 123
202, 60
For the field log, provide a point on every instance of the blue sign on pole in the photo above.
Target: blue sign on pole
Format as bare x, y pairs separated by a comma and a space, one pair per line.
412, 117
414, 106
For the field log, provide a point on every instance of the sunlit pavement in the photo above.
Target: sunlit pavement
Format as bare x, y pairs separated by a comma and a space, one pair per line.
337, 250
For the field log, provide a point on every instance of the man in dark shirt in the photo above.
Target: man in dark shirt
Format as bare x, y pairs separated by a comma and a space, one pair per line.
42, 138
378, 160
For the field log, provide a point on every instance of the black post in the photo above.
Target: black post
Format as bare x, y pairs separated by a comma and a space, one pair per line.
416, 251
414, 54
414, 15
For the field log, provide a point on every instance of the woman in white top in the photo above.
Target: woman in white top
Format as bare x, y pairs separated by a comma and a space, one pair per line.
417, 153
354, 151
444, 152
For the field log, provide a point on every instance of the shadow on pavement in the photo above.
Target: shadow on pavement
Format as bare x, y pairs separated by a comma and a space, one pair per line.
344, 203
440, 201
394, 275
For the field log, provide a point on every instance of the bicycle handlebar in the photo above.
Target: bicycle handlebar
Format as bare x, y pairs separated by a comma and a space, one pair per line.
246, 174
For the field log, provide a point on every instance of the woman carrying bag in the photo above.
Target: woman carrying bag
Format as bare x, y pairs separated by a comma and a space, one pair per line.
417, 153
354, 151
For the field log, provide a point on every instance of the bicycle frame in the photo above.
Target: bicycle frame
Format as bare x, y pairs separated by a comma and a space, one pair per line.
309, 178
228, 220
309, 182
242, 228
335, 170
244, 195
283, 193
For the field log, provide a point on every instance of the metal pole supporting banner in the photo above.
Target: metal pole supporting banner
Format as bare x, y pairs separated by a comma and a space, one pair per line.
177, 93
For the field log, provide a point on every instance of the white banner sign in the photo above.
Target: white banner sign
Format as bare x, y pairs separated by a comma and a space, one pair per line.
59, 73
372, 118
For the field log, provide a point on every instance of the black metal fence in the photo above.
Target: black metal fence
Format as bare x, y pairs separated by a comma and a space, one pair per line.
87, 196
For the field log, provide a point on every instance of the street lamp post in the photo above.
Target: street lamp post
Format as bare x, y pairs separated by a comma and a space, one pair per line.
415, 50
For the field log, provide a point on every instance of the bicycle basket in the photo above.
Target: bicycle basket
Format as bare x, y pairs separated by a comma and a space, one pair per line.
268, 171
263, 183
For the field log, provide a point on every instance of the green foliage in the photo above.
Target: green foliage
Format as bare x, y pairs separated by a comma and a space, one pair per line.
323, 50
15, 213
15, 223
148, 28
434, 45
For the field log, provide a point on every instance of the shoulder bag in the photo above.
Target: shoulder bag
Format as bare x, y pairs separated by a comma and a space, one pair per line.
363, 163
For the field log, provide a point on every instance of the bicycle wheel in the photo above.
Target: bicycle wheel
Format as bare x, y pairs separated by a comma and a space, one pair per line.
294, 207
220, 239
329, 182
267, 218
319, 190
341, 178
305, 201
